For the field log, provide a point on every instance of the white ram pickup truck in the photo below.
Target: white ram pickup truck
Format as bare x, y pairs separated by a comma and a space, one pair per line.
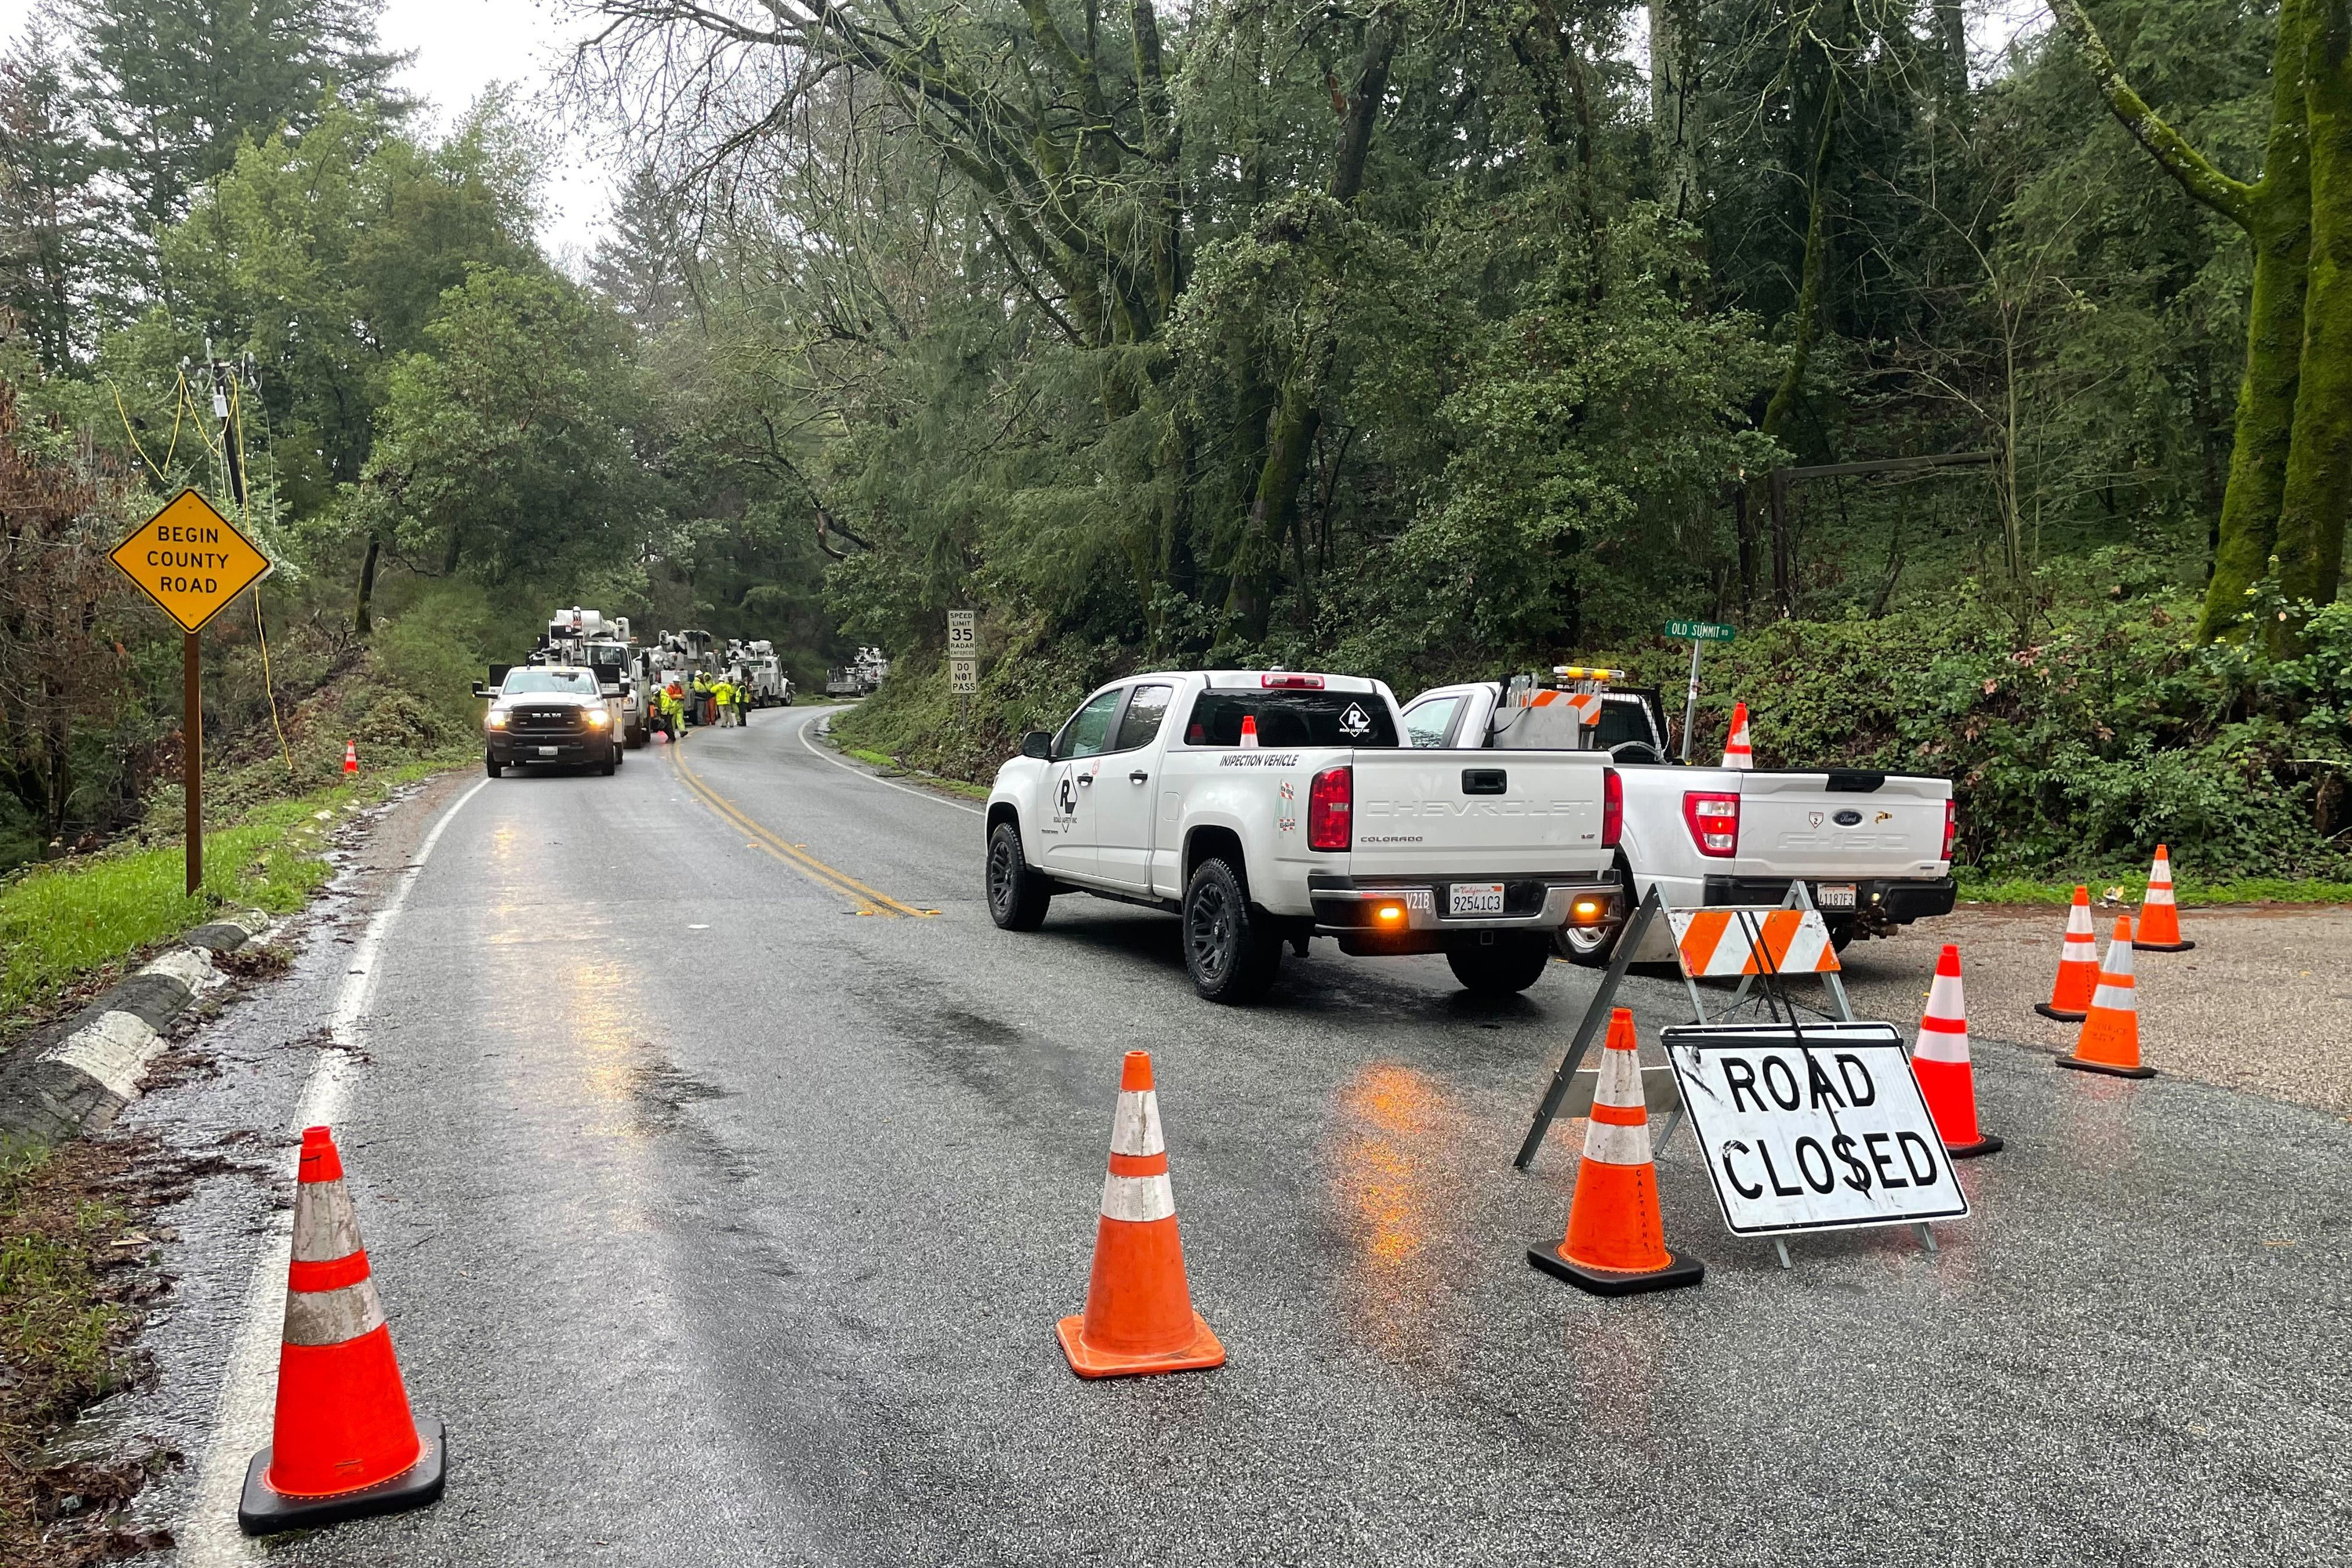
1873, 850
1265, 807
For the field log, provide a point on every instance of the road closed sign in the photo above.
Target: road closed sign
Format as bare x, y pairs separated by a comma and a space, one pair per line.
1821, 1128
191, 560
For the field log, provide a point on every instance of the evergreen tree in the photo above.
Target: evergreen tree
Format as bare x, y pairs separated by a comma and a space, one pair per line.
48, 221
172, 87
641, 266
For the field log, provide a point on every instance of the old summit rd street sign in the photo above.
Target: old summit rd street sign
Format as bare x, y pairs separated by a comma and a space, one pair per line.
191, 560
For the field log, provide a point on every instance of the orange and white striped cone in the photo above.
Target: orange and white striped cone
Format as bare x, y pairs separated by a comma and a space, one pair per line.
1616, 1243
1941, 1062
344, 1443
2078, 966
2109, 1042
1249, 732
1139, 1316
351, 756
2159, 917
1738, 752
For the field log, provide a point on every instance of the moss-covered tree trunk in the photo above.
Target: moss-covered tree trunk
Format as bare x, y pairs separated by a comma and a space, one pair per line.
2275, 212
2318, 488
1295, 418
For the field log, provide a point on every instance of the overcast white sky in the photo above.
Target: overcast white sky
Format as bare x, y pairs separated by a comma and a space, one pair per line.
460, 48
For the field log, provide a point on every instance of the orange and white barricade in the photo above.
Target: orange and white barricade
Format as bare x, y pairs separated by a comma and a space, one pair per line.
1727, 944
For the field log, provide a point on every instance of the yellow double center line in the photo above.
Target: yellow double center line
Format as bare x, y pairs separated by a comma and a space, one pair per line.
807, 865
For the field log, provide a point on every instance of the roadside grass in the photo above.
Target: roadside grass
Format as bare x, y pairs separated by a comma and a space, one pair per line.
2185, 890
64, 921
72, 1275
964, 787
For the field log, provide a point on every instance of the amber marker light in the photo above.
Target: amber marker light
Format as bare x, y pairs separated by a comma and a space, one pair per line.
1585, 911
1389, 914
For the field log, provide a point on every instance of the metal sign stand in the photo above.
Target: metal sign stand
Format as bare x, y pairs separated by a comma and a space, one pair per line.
1773, 995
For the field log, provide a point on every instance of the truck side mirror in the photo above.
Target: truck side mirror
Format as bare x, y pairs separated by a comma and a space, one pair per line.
1038, 743
480, 689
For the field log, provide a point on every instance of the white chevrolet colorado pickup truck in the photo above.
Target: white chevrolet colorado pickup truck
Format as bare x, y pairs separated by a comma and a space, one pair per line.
1873, 850
1265, 807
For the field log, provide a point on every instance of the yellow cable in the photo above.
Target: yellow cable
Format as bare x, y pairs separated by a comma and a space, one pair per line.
245, 515
268, 684
127, 430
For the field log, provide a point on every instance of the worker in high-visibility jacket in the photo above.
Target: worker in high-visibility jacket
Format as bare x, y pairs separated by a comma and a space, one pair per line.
723, 700
701, 698
673, 712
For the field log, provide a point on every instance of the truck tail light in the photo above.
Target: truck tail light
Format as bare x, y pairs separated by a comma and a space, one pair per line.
1291, 682
1951, 826
1713, 823
1612, 808
1331, 809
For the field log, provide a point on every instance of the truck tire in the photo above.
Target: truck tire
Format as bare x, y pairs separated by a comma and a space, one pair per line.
1017, 896
1508, 965
1593, 949
610, 763
491, 764
1232, 951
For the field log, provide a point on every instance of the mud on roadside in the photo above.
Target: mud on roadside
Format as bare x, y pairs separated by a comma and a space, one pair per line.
81, 1268
85, 1254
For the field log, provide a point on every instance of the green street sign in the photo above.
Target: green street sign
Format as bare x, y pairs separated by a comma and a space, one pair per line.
1699, 631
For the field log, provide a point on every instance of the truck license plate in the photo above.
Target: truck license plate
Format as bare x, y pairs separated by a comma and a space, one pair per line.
1833, 895
1486, 898
551, 751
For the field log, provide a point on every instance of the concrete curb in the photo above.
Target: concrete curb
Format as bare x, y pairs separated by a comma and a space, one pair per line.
77, 1075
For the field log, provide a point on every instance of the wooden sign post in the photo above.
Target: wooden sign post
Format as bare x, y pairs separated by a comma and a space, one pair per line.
192, 562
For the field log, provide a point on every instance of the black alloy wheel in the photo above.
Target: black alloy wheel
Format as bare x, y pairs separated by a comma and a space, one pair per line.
1232, 951
1017, 896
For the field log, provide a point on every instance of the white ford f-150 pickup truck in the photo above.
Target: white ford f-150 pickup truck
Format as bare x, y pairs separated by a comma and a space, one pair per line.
1265, 807
1873, 850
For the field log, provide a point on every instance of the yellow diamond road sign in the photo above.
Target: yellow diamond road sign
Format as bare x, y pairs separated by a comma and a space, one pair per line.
191, 560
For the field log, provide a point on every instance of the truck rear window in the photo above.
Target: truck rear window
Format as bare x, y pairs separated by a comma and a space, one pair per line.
1624, 719
1291, 719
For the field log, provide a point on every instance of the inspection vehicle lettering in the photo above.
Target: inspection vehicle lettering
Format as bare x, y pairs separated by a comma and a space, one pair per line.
1821, 1127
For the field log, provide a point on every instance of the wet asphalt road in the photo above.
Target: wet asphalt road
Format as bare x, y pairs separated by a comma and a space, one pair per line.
725, 1212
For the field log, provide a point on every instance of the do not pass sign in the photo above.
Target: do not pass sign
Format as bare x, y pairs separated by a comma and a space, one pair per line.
1822, 1128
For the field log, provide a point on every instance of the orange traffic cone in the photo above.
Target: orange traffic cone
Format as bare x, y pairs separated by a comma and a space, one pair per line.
2159, 917
345, 1444
1616, 1243
1737, 752
2109, 1042
2078, 966
1941, 1062
1249, 732
351, 756
1139, 1316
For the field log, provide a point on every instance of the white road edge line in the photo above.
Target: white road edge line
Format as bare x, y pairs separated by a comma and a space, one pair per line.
816, 751
243, 1415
